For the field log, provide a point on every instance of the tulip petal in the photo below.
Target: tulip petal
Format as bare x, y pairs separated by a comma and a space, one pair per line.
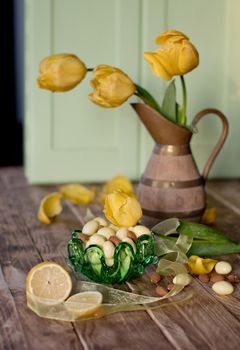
119, 182
169, 35
209, 216
77, 194
188, 57
156, 65
200, 266
121, 209
50, 206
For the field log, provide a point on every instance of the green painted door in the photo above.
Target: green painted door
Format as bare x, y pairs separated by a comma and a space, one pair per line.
67, 138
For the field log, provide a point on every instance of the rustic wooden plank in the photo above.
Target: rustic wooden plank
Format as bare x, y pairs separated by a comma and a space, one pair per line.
12, 177
18, 255
11, 335
201, 322
52, 243
227, 222
227, 192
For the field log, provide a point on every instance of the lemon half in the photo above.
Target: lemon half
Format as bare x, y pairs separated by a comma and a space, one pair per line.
49, 281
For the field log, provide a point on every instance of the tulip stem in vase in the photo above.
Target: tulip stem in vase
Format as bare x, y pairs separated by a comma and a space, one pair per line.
182, 116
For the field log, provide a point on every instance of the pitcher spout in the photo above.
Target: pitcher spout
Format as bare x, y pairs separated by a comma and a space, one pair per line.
162, 130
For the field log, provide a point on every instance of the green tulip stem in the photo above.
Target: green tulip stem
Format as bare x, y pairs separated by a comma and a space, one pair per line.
90, 69
183, 118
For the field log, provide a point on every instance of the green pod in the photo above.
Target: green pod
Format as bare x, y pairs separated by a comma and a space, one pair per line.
202, 232
203, 248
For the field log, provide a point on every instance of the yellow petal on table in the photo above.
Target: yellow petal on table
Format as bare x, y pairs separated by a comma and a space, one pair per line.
77, 194
122, 210
50, 206
209, 216
200, 266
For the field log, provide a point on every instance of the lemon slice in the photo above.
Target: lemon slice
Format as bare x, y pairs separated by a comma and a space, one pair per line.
84, 303
49, 282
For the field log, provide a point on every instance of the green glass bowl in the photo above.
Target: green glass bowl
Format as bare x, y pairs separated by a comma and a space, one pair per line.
127, 264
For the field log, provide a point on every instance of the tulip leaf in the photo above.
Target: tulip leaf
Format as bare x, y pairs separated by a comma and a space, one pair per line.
147, 98
169, 104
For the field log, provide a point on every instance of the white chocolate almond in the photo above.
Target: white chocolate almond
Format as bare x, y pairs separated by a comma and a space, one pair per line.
223, 267
140, 230
223, 288
109, 262
108, 249
183, 279
106, 232
101, 221
90, 228
97, 239
122, 233
114, 227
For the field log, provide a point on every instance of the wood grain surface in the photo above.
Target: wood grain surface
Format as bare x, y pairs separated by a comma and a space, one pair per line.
207, 321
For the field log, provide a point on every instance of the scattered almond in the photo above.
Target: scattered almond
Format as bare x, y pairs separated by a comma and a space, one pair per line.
170, 286
161, 291
216, 278
203, 278
155, 278
233, 278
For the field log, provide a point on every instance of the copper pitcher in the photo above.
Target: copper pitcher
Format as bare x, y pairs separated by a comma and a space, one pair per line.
171, 185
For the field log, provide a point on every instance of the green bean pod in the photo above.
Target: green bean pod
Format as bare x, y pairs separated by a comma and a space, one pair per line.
203, 232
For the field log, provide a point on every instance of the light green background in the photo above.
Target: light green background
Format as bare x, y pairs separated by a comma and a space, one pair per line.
67, 138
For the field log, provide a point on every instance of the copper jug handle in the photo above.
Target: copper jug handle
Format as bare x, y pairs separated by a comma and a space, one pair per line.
221, 140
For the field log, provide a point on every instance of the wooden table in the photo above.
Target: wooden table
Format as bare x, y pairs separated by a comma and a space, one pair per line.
207, 321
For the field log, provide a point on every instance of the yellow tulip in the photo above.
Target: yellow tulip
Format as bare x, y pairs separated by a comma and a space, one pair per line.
117, 183
177, 56
200, 266
121, 209
61, 72
112, 87
77, 194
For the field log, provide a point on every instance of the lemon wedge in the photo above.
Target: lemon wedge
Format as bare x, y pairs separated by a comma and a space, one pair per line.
84, 303
49, 282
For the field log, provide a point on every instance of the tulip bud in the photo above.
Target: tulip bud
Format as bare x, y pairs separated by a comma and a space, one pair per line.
61, 72
121, 209
177, 56
112, 87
